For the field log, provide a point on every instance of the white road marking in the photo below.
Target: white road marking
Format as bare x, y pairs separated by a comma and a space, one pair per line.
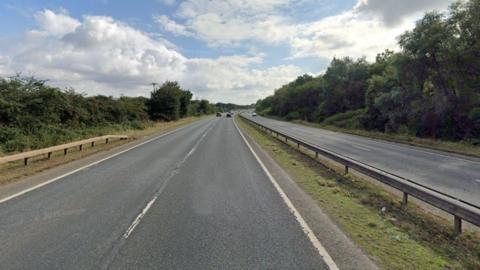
303, 224
360, 147
477, 180
136, 221
412, 147
86, 166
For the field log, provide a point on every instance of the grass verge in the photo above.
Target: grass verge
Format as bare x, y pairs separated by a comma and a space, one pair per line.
397, 237
14, 171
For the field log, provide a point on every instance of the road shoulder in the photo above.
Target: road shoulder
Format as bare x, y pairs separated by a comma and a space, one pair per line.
345, 253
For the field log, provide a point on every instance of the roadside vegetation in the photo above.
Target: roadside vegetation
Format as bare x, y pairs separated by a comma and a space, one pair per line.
13, 171
395, 236
429, 89
35, 115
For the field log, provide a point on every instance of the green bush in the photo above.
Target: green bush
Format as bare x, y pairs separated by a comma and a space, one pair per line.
349, 119
135, 124
292, 116
34, 115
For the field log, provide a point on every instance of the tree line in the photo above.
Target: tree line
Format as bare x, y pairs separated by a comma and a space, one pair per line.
35, 115
430, 88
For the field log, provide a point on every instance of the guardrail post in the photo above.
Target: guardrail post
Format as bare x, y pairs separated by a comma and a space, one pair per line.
316, 154
49, 155
93, 144
405, 199
457, 224
25, 161
286, 140
65, 151
298, 145
80, 147
106, 141
346, 169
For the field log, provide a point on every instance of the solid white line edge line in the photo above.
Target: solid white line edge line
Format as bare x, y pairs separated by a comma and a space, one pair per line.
303, 224
20, 193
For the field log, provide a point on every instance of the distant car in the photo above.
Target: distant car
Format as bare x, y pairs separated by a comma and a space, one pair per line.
219, 114
254, 114
229, 115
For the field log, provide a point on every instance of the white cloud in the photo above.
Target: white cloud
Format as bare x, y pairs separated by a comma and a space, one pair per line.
216, 30
226, 23
393, 12
171, 26
4, 69
234, 79
347, 34
55, 23
102, 55
168, 2
229, 8
368, 28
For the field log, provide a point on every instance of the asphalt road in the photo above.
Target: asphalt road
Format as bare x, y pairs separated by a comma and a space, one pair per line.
194, 199
453, 174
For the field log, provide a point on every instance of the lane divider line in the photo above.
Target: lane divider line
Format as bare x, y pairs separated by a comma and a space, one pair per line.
303, 224
20, 193
137, 220
360, 147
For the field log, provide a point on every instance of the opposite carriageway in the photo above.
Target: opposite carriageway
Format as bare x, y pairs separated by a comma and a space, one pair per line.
458, 207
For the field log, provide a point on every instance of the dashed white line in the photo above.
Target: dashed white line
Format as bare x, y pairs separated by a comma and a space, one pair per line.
303, 224
136, 221
361, 147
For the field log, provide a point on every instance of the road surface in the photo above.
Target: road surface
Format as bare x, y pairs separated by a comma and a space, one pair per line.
455, 175
193, 199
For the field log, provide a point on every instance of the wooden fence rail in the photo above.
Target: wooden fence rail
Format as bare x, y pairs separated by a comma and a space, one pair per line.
25, 156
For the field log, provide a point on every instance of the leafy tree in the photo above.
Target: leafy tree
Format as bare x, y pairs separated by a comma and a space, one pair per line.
185, 98
165, 102
430, 88
205, 107
34, 115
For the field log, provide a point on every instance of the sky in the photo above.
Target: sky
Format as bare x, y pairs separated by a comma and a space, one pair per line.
225, 51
